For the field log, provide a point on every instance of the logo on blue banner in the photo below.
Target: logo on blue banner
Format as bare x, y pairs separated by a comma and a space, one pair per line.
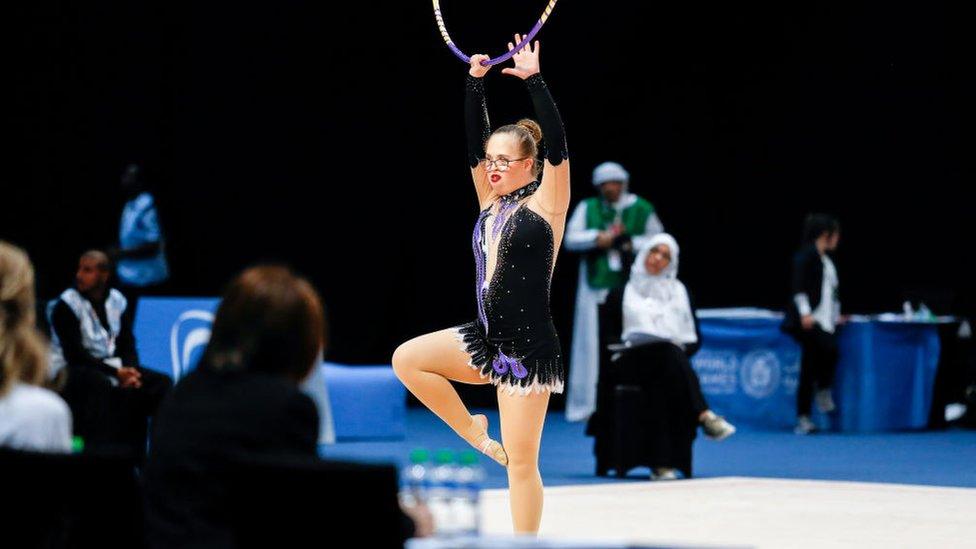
760, 373
188, 338
172, 332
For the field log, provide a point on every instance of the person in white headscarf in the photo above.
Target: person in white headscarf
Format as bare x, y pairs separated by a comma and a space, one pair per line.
659, 336
656, 304
606, 230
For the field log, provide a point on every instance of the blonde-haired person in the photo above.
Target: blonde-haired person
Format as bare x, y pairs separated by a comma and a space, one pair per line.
31, 417
513, 344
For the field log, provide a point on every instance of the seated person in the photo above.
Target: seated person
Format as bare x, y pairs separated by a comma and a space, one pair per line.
660, 334
109, 394
243, 402
31, 417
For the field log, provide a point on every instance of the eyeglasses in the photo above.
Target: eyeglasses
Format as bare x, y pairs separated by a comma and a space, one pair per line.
500, 164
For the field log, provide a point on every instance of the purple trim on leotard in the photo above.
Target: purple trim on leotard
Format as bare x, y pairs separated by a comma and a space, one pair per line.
508, 204
479, 260
503, 362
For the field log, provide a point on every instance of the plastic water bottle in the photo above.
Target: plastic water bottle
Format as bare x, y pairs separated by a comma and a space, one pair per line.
924, 313
467, 500
443, 483
416, 478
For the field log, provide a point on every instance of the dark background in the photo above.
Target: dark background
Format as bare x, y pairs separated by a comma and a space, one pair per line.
329, 136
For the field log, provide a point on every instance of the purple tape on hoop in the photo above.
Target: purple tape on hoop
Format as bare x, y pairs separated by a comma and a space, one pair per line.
501, 59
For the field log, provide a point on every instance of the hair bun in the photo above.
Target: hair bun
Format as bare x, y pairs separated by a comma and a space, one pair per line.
533, 128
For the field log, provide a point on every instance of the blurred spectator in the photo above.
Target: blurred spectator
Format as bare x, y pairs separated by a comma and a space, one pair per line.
110, 394
141, 258
660, 334
813, 315
31, 417
243, 402
606, 229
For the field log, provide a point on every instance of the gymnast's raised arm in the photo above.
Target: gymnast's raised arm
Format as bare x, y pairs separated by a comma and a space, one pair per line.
553, 193
476, 125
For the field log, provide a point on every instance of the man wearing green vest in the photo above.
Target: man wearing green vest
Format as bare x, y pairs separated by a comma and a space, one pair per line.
604, 229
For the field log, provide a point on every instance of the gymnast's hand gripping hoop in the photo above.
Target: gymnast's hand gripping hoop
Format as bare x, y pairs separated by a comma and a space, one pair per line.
501, 59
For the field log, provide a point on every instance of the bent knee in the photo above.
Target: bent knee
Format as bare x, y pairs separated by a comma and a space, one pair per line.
404, 359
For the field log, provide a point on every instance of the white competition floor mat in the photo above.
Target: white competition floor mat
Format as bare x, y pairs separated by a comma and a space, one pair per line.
751, 512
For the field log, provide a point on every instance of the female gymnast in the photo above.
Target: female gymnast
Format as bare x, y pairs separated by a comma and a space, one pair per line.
513, 343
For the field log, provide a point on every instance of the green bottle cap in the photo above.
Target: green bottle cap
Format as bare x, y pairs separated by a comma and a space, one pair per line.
419, 455
77, 444
443, 456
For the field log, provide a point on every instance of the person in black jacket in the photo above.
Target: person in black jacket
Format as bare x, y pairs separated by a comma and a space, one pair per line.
813, 316
242, 403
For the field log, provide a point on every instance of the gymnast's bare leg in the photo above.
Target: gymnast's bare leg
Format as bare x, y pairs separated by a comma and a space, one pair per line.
426, 365
522, 418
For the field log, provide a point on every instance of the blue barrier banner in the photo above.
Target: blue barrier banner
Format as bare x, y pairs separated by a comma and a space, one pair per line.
749, 371
885, 376
171, 332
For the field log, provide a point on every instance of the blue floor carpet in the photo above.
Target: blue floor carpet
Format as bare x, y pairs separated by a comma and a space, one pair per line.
940, 458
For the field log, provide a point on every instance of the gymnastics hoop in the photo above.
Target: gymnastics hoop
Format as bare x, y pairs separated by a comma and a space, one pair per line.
501, 59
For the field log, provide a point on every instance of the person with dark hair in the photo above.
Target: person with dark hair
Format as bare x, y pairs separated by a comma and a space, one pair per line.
141, 264
812, 317
243, 399
31, 416
513, 343
110, 394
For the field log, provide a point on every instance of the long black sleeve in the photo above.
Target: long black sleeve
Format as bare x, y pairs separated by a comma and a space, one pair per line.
66, 325
798, 283
125, 344
549, 119
475, 119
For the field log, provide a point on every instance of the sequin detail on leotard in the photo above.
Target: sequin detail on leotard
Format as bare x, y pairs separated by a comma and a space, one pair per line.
513, 342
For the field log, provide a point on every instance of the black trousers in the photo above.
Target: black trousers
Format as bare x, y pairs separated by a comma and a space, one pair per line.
652, 366
108, 416
663, 428
817, 365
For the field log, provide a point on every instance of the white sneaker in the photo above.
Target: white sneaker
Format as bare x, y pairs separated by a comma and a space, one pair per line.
954, 411
825, 401
716, 427
804, 426
664, 473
